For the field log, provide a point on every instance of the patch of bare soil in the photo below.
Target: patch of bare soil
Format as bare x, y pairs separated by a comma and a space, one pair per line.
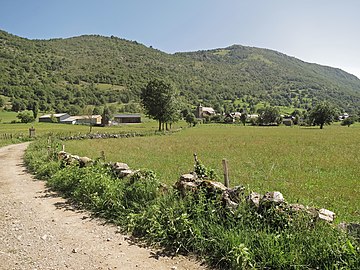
40, 230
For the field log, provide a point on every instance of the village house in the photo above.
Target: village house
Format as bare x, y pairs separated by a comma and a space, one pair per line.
343, 116
202, 112
127, 118
232, 117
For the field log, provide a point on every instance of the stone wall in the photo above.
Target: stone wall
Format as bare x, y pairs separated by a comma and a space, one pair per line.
231, 198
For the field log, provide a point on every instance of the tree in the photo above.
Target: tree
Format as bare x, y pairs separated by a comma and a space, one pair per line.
53, 119
25, 117
172, 114
269, 115
219, 108
97, 110
106, 116
35, 109
2, 102
348, 121
88, 112
74, 110
243, 118
159, 101
323, 113
18, 105
191, 119
217, 118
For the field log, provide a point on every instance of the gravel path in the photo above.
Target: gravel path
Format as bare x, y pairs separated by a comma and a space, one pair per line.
39, 230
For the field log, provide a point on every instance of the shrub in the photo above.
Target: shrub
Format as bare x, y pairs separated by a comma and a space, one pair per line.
25, 117
140, 190
203, 172
348, 121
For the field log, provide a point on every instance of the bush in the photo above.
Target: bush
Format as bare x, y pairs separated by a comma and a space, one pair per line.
140, 190
348, 121
217, 118
25, 117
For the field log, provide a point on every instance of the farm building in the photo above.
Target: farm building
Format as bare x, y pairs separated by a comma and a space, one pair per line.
49, 118
202, 112
127, 118
232, 117
252, 116
288, 122
86, 119
70, 120
65, 118
343, 116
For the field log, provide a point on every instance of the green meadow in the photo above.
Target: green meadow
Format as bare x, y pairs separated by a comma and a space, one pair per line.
11, 132
308, 165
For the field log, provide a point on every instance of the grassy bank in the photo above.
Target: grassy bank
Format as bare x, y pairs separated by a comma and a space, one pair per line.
198, 223
312, 166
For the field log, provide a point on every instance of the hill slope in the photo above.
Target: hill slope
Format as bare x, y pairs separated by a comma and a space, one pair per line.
59, 73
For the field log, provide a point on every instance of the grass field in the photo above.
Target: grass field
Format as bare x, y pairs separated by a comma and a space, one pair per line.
22, 130
308, 165
7, 117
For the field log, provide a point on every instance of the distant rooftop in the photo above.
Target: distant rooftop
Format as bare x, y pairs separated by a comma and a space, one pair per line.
126, 115
54, 115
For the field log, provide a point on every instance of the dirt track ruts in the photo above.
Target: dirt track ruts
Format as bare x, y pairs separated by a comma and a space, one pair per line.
40, 230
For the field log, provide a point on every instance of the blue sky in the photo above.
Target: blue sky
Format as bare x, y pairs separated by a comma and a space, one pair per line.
318, 31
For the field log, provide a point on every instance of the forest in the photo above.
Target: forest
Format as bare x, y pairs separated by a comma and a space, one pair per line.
62, 75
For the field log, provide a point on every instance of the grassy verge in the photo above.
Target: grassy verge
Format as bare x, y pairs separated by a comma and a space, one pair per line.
198, 223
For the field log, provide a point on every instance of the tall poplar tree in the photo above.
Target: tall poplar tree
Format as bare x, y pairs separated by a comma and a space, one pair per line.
160, 102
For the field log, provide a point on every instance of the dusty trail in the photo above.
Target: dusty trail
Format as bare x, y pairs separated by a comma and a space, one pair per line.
39, 230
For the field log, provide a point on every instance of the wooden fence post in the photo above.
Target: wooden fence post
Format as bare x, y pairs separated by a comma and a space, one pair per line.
102, 154
196, 159
63, 147
226, 173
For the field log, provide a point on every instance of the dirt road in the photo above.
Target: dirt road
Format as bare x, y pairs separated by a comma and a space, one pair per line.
39, 230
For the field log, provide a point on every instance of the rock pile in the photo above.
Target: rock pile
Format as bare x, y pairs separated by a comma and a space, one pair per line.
102, 136
119, 169
69, 159
232, 197
351, 228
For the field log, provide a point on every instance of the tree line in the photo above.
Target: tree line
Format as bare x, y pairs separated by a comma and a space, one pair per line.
161, 102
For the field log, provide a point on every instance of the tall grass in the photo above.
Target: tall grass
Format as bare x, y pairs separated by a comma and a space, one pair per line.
199, 223
308, 165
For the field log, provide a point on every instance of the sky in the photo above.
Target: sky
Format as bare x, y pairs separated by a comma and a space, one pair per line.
325, 32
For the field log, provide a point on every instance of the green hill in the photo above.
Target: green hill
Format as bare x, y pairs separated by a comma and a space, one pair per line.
60, 73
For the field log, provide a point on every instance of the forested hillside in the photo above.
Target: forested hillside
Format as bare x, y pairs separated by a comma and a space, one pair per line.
60, 73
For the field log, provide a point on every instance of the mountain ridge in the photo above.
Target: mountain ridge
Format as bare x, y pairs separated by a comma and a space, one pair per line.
68, 71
